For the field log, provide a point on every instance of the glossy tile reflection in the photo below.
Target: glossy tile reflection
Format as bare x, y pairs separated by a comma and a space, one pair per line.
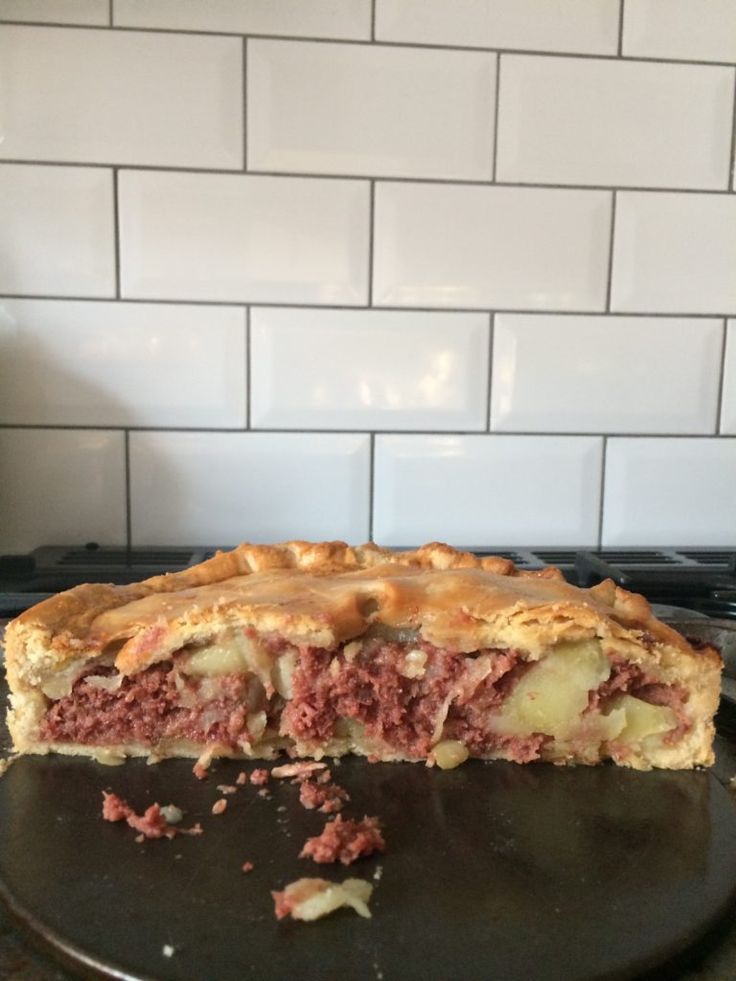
368, 370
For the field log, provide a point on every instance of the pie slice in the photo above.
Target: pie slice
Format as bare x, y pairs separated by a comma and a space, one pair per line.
323, 649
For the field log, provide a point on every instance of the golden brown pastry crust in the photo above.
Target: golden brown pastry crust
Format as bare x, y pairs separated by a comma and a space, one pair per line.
92, 615
327, 593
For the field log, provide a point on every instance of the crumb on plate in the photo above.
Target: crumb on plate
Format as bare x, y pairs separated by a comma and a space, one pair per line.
345, 841
310, 899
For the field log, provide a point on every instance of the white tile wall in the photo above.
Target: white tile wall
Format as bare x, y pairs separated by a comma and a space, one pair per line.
460, 246
674, 253
260, 487
222, 237
692, 29
728, 416
56, 231
510, 490
548, 374
344, 369
409, 269
121, 364
57, 11
588, 121
662, 490
63, 487
115, 96
541, 25
315, 18
384, 111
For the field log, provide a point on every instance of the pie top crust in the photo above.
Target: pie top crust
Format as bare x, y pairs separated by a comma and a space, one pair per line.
323, 594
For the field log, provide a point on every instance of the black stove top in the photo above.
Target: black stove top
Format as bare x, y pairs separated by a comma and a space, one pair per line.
702, 579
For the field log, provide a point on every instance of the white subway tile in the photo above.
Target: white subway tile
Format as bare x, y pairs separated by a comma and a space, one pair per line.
121, 364
267, 487
385, 111
674, 253
728, 408
670, 492
540, 25
56, 11
56, 230
350, 19
470, 246
496, 490
344, 369
594, 374
702, 30
61, 487
121, 97
589, 121
227, 237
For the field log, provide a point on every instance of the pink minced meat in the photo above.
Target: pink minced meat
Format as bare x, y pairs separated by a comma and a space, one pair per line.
370, 689
345, 841
151, 824
326, 797
147, 708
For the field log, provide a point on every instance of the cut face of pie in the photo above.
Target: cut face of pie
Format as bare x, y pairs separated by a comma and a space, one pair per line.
323, 649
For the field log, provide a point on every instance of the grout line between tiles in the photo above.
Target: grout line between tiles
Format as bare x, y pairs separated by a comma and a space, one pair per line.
491, 335
386, 308
371, 485
373, 20
610, 252
732, 162
496, 102
603, 491
621, 4
116, 230
357, 431
109, 13
721, 379
248, 360
128, 536
371, 238
244, 90
376, 178
582, 55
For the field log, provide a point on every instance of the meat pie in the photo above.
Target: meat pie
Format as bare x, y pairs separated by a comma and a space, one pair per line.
323, 649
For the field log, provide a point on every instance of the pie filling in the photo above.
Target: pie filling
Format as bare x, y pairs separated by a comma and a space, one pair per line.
388, 694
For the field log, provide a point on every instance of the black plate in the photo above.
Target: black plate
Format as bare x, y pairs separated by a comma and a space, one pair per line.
493, 870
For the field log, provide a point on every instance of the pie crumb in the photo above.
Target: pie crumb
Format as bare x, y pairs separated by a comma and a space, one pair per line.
309, 899
219, 806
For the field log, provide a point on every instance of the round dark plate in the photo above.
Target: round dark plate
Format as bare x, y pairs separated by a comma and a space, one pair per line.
492, 871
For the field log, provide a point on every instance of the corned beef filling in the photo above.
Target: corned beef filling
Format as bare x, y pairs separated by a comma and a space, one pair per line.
403, 696
150, 706
629, 679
